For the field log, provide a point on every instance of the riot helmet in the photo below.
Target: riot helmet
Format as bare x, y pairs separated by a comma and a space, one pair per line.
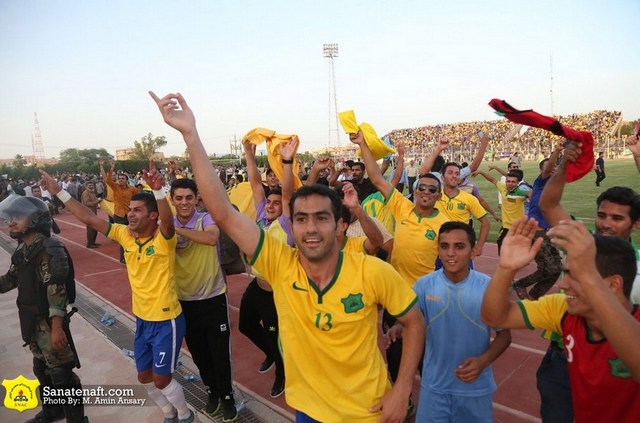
24, 215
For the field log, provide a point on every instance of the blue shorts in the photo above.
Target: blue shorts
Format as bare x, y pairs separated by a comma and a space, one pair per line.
303, 418
157, 345
435, 407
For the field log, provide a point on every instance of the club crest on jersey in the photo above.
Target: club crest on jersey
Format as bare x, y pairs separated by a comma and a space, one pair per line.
352, 303
618, 369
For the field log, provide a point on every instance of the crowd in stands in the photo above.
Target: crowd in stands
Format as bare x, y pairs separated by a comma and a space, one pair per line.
508, 137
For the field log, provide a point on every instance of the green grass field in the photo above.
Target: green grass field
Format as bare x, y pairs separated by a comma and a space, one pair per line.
579, 198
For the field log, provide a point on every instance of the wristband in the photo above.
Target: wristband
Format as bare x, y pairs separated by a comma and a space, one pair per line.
159, 194
284, 161
64, 196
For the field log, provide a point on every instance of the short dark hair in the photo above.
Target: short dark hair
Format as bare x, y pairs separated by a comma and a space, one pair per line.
516, 173
449, 164
275, 191
149, 200
625, 197
451, 226
542, 162
321, 190
438, 164
184, 183
615, 256
430, 176
358, 164
269, 170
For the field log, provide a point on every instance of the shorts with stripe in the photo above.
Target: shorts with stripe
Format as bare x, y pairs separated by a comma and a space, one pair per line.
157, 344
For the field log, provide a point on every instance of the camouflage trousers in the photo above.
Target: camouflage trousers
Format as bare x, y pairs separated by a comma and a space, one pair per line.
42, 349
549, 268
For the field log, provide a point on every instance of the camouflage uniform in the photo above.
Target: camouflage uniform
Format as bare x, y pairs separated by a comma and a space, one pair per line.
549, 268
50, 267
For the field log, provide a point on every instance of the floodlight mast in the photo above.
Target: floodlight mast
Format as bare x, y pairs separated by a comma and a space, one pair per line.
330, 51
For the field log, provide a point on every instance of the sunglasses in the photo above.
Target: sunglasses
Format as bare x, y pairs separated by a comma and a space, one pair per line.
432, 188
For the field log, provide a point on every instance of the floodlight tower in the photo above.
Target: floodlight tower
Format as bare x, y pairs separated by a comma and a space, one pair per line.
36, 140
330, 51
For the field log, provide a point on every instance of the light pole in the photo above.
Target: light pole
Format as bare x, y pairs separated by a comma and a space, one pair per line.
330, 51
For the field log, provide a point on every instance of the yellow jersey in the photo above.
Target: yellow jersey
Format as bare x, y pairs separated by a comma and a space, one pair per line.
461, 207
415, 238
150, 267
329, 338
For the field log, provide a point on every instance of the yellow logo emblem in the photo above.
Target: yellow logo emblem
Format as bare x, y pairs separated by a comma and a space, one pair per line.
21, 393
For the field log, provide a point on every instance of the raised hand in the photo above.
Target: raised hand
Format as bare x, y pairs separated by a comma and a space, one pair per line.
152, 177
357, 139
287, 150
572, 150
249, 148
442, 145
633, 144
175, 112
47, 182
400, 148
350, 199
517, 250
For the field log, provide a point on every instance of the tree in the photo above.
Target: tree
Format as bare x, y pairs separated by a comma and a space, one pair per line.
147, 146
19, 161
74, 156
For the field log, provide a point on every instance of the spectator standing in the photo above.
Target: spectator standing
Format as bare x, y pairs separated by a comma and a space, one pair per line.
600, 174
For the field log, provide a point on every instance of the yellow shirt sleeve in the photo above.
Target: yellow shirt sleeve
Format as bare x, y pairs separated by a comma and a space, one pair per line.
545, 313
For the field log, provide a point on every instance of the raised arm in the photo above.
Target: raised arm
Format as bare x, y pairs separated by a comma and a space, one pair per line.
320, 164
517, 251
253, 174
633, 143
81, 212
550, 165
486, 176
427, 164
108, 178
482, 148
619, 326
242, 230
373, 170
397, 176
287, 152
550, 199
498, 169
155, 180
372, 232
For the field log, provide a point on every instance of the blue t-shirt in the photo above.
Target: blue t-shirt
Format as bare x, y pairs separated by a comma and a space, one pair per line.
455, 332
534, 208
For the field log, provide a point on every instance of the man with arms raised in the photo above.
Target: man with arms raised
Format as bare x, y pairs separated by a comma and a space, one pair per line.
600, 372
327, 300
149, 242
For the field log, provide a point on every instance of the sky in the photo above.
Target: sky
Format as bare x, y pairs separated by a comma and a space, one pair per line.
85, 67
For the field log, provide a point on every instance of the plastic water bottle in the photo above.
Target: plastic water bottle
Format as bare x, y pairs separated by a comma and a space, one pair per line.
241, 405
191, 378
107, 319
128, 353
